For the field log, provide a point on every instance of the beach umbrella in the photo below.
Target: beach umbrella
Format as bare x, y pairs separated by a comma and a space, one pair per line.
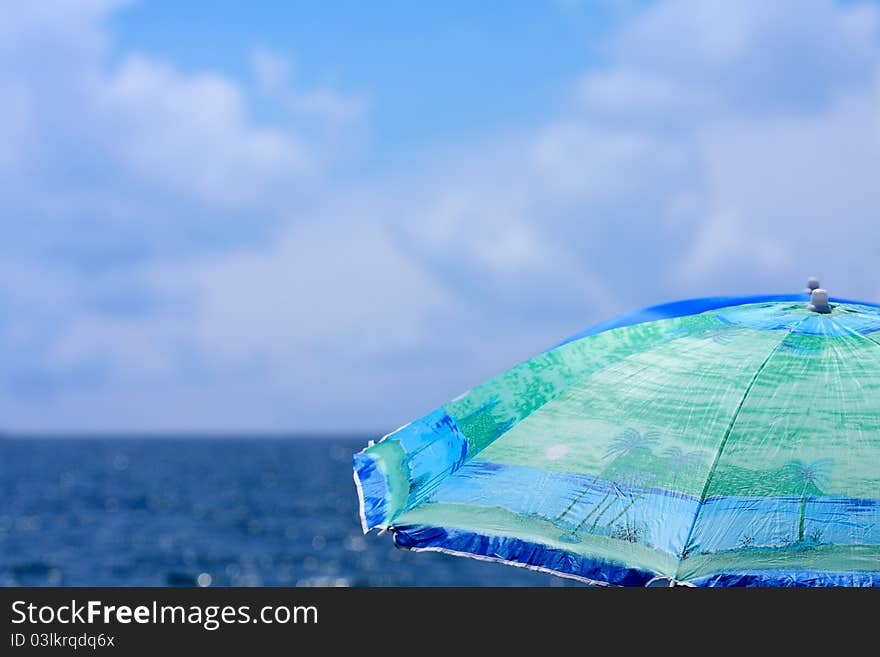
707, 442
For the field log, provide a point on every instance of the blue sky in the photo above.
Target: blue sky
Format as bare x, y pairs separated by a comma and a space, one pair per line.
430, 71
305, 217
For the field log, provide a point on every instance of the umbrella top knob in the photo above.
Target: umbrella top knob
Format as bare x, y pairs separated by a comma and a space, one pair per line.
812, 283
819, 301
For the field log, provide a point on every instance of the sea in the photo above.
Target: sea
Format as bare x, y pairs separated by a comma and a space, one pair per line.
203, 511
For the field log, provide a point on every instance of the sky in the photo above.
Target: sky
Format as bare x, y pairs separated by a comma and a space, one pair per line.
334, 217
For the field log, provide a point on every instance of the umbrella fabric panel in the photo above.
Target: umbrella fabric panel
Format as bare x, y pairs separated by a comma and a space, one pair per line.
808, 441
393, 475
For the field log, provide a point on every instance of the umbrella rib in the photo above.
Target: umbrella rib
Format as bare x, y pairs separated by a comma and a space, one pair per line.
723, 444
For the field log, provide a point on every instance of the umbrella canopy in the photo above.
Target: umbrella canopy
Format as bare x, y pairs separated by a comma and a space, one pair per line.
711, 442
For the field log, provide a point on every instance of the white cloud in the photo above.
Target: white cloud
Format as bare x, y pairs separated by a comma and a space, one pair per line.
802, 189
141, 128
191, 135
771, 105
753, 52
273, 74
581, 160
677, 60
127, 349
726, 243
271, 71
629, 94
877, 107
326, 286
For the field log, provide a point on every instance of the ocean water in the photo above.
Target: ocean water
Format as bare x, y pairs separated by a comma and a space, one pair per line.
182, 511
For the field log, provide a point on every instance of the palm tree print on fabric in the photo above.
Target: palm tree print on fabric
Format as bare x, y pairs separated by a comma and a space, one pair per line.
640, 480
623, 445
629, 441
633, 486
810, 478
681, 460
